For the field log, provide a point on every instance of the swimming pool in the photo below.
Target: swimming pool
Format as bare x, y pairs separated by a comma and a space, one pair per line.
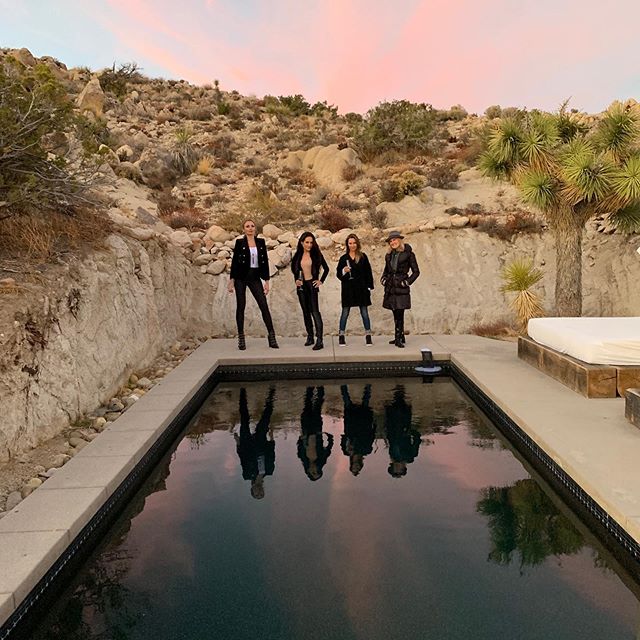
344, 509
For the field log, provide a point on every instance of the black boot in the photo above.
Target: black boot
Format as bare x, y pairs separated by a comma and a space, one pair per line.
242, 345
271, 339
368, 339
398, 338
319, 344
341, 340
309, 341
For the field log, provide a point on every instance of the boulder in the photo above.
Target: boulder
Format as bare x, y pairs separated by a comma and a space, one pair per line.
92, 98
458, 221
340, 237
216, 233
216, 267
181, 239
139, 233
271, 231
443, 222
129, 171
124, 152
157, 168
24, 56
324, 242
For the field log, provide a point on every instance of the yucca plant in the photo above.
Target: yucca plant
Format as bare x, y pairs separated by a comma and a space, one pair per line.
518, 277
183, 154
571, 173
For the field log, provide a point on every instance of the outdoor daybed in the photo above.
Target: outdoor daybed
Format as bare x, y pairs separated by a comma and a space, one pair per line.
597, 357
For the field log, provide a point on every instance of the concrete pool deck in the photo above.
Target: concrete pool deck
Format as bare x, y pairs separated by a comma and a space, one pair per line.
590, 439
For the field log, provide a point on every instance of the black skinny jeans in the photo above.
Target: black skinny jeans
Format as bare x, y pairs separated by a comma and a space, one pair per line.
308, 298
254, 284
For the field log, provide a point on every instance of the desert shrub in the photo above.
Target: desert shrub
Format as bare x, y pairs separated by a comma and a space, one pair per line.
222, 147
456, 113
515, 223
518, 277
406, 184
442, 175
377, 217
115, 81
192, 218
91, 134
332, 216
319, 195
298, 177
350, 172
401, 126
494, 111
198, 113
204, 166
167, 203
264, 207
184, 155
296, 105
33, 105
353, 118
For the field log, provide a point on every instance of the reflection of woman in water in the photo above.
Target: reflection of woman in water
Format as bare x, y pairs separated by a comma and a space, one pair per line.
359, 429
314, 447
403, 440
257, 451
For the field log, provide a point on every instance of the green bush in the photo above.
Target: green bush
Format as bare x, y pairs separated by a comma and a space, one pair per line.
408, 183
401, 126
33, 106
115, 80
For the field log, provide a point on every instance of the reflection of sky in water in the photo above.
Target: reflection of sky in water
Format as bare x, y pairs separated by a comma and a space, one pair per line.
370, 556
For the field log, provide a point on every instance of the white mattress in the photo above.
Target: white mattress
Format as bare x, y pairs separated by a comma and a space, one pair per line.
593, 340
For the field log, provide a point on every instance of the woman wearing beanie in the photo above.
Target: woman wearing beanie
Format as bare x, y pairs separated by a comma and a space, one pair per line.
400, 272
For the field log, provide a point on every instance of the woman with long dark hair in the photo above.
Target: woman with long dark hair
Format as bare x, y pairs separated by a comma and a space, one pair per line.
249, 269
306, 264
400, 272
354, 272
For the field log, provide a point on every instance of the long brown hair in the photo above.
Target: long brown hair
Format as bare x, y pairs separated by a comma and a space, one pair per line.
358, 246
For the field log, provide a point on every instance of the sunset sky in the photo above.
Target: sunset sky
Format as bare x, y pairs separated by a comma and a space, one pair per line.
354, 53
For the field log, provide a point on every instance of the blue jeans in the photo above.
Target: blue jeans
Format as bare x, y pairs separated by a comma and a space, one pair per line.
364, 312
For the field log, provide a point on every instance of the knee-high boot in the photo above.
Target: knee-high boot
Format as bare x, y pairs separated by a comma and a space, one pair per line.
317, 320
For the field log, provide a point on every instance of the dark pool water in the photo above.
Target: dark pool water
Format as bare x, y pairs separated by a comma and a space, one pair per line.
325, 510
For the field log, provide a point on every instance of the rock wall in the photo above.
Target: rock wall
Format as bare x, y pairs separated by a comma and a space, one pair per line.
117, 310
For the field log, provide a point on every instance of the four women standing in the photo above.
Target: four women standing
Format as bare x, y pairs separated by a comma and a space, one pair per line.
250, 266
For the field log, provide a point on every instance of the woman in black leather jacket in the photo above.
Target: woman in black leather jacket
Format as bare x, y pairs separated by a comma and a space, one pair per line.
306, 264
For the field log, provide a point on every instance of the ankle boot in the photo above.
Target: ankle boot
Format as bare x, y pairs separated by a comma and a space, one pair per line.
398, 339
368, 339
309, 341
271, 339
242, 345
342, 340
319, 344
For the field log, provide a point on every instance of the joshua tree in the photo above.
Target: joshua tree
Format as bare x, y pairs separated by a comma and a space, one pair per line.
571, 172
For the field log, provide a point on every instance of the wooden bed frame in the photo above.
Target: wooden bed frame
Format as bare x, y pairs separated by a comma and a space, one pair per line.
590, 380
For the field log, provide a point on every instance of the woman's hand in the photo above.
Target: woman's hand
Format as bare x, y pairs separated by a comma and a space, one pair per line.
266, 287
230, 286
317, 283
346, 269
298, 283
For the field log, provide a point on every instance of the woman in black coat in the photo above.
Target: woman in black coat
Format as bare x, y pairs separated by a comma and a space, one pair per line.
249, 267
354, 272
306, 264
400, 272
314, 446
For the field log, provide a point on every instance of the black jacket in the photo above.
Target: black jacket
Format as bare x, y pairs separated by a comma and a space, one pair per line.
315, 268
355, 289
397, 294
241, 261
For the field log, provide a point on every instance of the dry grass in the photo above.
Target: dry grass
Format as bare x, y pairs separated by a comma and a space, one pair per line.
205, 165
350, 172
40, 238
500, 330
191, 218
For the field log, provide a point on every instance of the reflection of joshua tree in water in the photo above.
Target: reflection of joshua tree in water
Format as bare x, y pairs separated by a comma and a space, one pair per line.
359, 429
403, 440
523, 519
314, 446
257, 451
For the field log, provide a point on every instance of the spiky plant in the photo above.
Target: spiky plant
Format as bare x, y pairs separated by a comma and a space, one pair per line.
183, 154
571, 173
518, 277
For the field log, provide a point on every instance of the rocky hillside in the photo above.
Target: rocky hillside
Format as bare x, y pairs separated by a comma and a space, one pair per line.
177, 168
